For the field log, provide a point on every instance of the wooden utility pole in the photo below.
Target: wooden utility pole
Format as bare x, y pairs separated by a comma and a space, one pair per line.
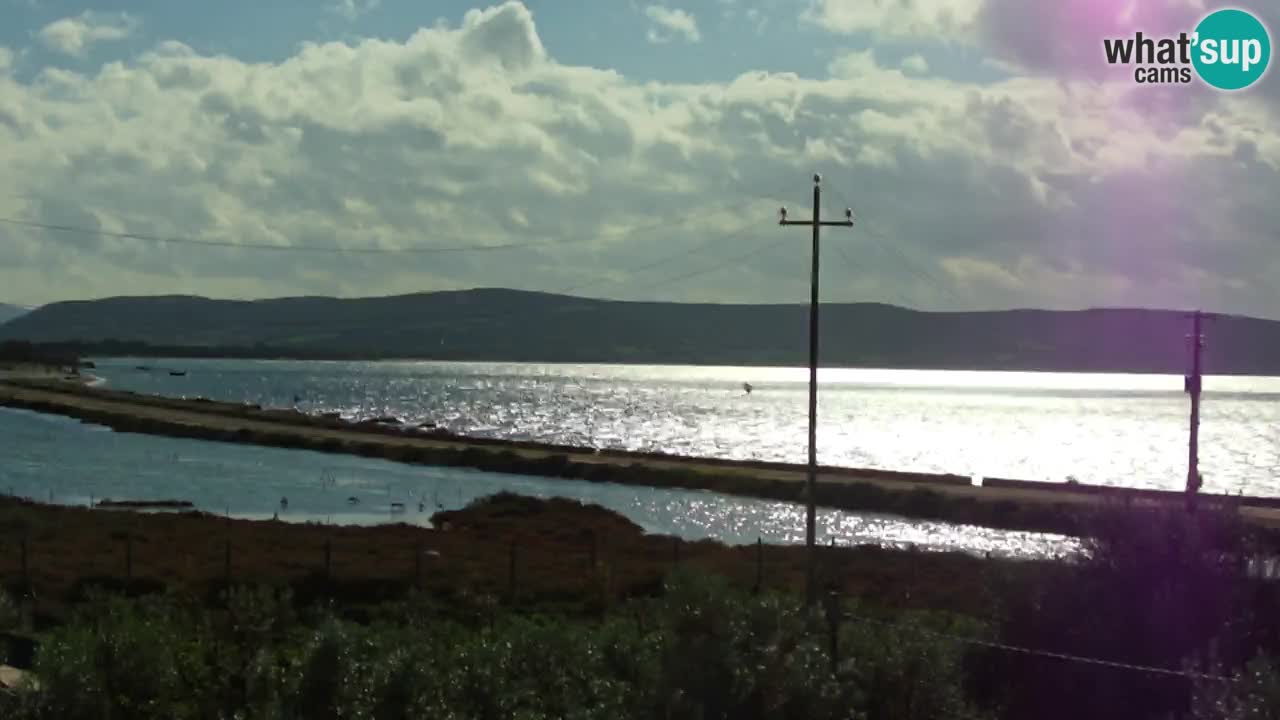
816, 223
1193, 386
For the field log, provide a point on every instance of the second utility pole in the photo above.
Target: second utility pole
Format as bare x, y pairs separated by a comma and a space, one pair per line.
811, 584
1194, 384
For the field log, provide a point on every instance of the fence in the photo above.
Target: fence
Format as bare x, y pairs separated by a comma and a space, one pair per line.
50, 564
511, 571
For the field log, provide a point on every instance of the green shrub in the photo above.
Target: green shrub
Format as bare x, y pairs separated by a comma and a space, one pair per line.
702, 650
1159, 588
1253, 695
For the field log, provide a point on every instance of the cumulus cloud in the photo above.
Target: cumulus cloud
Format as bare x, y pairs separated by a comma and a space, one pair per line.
933, 19
77, 35
1062, 37
915, 64
1066, 37
353, 9
669, 23
1029, 191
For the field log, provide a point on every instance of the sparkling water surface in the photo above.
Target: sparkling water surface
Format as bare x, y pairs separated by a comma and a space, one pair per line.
52, 458
1095, 428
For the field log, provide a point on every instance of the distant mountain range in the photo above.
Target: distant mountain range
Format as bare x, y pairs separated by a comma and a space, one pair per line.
9, 312
508, 325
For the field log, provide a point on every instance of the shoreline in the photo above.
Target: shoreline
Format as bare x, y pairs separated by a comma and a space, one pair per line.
560, 553
90, 351
997, 503
908, 367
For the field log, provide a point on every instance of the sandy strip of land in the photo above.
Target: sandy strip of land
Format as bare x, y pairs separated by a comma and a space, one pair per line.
1023, 507
33, 371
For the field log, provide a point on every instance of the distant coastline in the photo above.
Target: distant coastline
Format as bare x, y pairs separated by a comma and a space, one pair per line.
495, 325
114, 349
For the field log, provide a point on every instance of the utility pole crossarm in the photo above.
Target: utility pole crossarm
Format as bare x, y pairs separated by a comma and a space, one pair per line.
824, 223
847, 222
816, 223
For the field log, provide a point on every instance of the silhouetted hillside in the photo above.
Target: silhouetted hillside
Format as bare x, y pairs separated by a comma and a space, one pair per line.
9, 312
511, 325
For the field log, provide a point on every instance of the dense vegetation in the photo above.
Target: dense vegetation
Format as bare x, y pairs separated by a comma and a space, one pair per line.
507, 325
1158, 589
20, 352
701, 651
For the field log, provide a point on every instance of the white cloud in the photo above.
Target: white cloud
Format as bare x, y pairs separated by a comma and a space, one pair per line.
1055, 37
758, 20
932, 19
671, 23
353, 9
1029, 191
915, 64
77, 35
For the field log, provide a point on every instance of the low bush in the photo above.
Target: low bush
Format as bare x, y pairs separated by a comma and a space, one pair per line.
701, 650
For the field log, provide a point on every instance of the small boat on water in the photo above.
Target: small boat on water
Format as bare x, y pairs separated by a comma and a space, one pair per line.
178, 373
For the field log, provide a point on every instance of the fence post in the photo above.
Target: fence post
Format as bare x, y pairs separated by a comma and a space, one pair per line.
128, 556
759, 564
511, 571
328, 559
226, 562
417, 566
26, 568
833, 626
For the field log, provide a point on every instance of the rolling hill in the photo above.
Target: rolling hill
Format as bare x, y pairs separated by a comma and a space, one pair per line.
508, 325
9, 312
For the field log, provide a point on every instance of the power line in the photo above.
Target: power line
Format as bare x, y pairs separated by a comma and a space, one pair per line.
892, 252
1066, 657
724, 264
680, 255
703, 212
736, 232
853, 270
664, 260
667, 259
770, 243
339, 250
174, 240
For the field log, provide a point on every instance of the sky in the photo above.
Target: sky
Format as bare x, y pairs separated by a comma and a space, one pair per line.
630, 150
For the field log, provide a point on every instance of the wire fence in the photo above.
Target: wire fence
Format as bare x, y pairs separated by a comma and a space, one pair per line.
513, 570
1065, 657
45, 562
